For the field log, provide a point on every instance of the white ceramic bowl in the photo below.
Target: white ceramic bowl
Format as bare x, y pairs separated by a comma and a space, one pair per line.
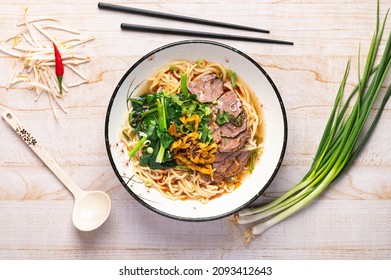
275, 130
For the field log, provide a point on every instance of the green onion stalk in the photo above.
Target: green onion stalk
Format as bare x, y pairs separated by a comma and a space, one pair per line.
161, 111
347, 130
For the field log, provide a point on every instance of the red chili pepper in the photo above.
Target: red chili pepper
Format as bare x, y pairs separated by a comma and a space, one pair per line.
59, 66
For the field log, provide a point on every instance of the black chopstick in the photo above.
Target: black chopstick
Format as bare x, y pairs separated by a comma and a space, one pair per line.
127, 9
155, 29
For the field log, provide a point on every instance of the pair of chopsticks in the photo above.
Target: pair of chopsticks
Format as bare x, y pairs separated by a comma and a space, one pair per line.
155, 29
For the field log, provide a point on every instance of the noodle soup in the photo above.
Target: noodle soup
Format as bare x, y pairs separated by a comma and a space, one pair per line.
194, 130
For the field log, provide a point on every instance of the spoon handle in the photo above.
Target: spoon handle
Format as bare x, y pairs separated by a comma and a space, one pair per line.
13, 121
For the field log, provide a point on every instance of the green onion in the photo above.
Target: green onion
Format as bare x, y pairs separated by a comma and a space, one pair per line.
201, 63
126, 135
130, 118
252, 159
232, 75
184, 85
138, 146
148, 112
343, 139
238, 121
233, 79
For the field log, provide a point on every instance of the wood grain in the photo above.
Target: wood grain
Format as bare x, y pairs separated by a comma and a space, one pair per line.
351, 220
133, 233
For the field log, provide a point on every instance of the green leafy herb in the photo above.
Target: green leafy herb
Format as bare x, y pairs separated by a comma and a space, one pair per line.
149, 126
151, 116
226, 118
148, 159
206, 134
238, 121
175, 99
223, 118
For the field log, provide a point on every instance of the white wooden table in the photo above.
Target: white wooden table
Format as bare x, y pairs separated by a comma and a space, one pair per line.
351, 220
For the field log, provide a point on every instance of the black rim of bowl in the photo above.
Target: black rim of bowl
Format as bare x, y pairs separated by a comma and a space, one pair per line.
135, 196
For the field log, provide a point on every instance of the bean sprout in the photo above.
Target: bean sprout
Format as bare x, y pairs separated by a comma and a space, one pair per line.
34, 63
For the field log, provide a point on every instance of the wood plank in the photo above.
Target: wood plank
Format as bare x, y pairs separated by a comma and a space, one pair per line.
327, 229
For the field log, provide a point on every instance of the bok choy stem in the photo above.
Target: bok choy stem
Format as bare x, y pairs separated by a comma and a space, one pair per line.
161, 112
138, 146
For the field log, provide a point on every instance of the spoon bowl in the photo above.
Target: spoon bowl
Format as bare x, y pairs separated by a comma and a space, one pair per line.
91, 210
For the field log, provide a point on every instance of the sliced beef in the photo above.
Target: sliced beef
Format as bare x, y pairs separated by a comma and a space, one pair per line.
230, 158
216, 177
216, 134
230, 130
224, 165
220, 157
228, 165
230, 103
244, 156
220, 166
207, 88
238, 164
234, 169
229, 145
